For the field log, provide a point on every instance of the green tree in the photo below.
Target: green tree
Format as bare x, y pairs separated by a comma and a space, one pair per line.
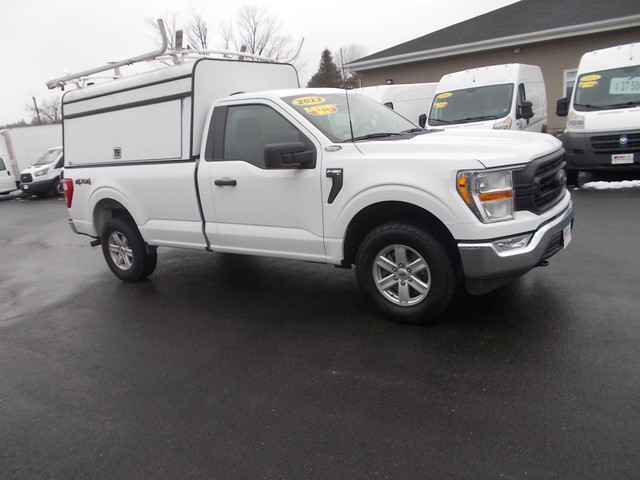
328, 74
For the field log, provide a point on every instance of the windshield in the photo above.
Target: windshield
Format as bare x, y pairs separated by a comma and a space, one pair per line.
48, 157
471, 104
369, 119
615, 88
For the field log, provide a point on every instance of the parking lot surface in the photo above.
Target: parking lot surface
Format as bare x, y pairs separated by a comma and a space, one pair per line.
232, 367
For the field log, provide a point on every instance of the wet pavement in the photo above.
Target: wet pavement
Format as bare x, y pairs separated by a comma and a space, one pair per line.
222, 366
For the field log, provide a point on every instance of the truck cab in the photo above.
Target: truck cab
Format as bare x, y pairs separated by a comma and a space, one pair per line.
7, 182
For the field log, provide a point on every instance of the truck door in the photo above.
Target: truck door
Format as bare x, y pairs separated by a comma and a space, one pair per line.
7, 182
252, 204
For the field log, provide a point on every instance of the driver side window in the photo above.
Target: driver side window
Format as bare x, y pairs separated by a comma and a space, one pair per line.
250, 128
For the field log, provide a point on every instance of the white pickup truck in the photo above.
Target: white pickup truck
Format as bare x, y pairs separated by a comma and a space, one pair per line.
177, 158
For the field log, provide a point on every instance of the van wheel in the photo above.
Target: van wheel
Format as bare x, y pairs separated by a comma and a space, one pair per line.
58, 188
126, 252
406, 272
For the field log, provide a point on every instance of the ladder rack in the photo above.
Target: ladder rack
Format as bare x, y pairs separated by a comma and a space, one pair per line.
176, 56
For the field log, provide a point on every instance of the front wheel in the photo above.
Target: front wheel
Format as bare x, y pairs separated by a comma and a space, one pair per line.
126, 252
406, 272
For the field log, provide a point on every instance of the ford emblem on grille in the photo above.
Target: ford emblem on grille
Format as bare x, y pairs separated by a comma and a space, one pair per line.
561, 177
623, 140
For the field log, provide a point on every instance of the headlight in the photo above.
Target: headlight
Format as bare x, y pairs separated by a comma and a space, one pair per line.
503, 125
489, 194
576, 121
39, 173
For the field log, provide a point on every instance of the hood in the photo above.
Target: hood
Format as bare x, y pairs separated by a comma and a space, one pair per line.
611, 120
492, 148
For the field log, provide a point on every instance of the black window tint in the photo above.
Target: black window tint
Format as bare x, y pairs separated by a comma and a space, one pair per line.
249, 128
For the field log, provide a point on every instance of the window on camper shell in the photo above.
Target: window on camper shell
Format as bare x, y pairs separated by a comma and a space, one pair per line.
250, 128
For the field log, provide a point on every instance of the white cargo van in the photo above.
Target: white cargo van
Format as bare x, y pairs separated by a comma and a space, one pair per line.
411, 100
499, 97
603, 125
43, 177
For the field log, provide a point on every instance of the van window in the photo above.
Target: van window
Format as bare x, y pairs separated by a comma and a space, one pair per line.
2, 166
472, 104
48, 157
606, 89
250, 128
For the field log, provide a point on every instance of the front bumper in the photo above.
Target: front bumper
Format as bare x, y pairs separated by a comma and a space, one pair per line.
601, 151
486, 268
38, 188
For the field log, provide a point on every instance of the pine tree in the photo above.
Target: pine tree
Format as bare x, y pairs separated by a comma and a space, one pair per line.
328, 74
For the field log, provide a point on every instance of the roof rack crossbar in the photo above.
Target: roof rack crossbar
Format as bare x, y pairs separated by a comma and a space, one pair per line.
60, 82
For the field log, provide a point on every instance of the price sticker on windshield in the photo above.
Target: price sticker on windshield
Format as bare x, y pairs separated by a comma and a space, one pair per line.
624, 85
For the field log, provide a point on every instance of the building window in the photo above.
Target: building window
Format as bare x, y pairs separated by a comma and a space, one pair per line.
569, 79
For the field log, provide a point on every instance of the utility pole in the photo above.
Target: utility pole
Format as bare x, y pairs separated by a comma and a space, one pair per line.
37, 111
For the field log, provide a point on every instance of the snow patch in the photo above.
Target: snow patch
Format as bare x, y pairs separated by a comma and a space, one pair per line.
602, 185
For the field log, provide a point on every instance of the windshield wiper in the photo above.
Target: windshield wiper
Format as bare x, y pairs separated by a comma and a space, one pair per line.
622, 105
476, 119
374, 135
415, 130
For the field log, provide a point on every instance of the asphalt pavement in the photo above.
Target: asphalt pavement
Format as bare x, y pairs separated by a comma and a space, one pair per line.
229, 367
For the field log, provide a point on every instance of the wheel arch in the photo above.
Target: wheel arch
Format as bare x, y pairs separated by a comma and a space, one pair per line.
377, 214
109, 208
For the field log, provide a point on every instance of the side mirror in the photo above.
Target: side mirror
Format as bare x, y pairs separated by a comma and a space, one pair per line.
422, 120
562, 107
525, 110
289, 155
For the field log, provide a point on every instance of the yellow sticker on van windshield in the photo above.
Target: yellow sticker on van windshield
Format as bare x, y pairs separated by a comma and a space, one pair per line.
308, 101
445, 95
587, 84
441, 104
321, 110
590, 78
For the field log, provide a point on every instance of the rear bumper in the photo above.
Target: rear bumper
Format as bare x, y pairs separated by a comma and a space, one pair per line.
486, 268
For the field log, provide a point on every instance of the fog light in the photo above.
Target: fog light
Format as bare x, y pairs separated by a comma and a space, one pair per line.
512, 243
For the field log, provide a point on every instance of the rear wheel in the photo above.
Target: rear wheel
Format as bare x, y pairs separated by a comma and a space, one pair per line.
406, 272
126, 252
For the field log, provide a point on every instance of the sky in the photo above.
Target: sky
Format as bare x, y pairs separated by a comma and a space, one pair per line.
43, 39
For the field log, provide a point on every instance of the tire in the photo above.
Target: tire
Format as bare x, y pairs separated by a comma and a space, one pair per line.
406, 273
126, 252
572, 178
57, 189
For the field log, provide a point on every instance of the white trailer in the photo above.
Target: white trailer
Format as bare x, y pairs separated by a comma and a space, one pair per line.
21, 147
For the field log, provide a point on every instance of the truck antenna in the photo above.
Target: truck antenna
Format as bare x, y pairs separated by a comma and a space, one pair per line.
346, 94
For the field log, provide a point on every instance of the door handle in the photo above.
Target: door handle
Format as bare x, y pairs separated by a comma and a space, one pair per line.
225, 182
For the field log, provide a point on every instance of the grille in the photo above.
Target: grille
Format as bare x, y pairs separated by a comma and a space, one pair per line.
26, 178
541, 184
612, 144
